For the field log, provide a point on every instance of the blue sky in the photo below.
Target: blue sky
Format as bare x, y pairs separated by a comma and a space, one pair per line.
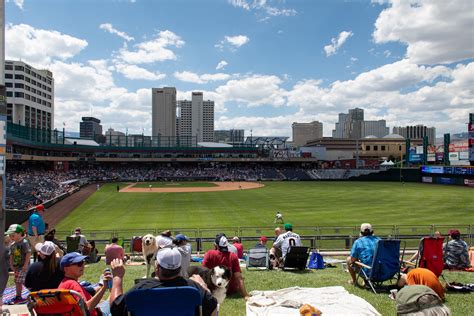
265, 63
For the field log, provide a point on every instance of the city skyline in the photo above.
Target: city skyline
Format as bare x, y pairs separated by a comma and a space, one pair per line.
267, 64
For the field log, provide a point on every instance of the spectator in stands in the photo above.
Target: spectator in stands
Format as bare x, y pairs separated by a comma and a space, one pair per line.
168, 266
362, 250
222, 256
93, 253
456, 255
36, 228
73, 266
184, 248
262, 242
240, 248
285, 241
20, 253
113, 251
46, 273
421, 276
83, 243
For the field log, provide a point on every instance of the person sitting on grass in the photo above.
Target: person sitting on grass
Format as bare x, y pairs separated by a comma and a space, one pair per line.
46, 272
93, 253
456, 255
73, 266
221, 255
184, 247
420, 300
262, 242
285, 241
168, 266
113, 251
238, 245
421, 276
20, 253
362, 250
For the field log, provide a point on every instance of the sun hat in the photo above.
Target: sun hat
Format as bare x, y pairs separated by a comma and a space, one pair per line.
181, 237
221, 242
169, 258
288, 226
15, 228
45, 248
72, 258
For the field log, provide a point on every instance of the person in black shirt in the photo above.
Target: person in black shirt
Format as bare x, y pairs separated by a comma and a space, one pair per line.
168, 266
45, 273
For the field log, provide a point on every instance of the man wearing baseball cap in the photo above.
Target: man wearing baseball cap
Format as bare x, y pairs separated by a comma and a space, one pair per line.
284, 241
362, 250
168, 266
456, 255
222, 255
73, 266
36, 228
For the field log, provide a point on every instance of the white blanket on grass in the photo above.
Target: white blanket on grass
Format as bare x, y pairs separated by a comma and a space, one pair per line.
332, 300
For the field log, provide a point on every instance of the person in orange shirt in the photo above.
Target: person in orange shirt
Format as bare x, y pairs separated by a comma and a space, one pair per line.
422, 276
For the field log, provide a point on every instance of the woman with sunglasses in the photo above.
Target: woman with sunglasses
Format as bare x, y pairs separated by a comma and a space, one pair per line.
45, 273
73, 265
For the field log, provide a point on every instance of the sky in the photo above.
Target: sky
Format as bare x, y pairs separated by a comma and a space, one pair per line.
265, 63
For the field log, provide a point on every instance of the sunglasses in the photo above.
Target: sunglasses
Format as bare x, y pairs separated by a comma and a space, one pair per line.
79, 264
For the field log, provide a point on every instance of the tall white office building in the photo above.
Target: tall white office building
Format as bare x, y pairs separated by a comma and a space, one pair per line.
417, 132
30, 95
196, 118
163, 112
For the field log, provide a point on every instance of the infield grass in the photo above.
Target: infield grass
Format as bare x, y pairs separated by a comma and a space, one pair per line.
301, 203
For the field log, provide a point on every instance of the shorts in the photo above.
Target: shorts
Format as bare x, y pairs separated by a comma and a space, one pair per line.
34, 240
20, 277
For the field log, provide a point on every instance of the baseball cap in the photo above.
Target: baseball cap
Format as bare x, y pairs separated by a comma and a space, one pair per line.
237, 239
45, 248
288, 226
169, 258
181, 237
77, 230
15, 228
263, 239
39, 207
72, 258
221, 242
454, 232
366, 226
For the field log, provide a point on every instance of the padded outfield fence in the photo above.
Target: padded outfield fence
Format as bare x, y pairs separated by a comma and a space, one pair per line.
326, 238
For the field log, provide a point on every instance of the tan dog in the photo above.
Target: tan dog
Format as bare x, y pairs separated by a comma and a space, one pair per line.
149, 249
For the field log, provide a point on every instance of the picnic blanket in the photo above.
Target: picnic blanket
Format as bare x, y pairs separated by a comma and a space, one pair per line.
10, 293
331, 300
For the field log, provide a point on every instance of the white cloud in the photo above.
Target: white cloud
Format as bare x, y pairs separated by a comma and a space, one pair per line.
18, 3
221, 65
262, 5
237, 40
434, 31
38, 46
188, 76
134, 72
153, 50
109, 28
336, 43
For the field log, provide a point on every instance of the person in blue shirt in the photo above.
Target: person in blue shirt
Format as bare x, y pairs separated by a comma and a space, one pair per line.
36, 228
362, 250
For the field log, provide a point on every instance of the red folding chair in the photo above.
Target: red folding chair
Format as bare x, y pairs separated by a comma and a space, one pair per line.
136, 247
431, 254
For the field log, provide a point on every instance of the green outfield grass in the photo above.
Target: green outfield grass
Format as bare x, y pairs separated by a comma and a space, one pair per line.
184, 184
302, 204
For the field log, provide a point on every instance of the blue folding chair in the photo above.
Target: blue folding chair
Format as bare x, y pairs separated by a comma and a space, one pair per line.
386, 263
181, 300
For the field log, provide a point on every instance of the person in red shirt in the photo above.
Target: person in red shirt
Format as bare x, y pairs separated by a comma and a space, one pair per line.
238, 245
221, 256
73, 265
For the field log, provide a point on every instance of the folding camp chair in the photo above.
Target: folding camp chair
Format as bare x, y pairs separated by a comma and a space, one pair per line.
135, 247
386, 263
73, 243
296, 258
183, 301
258, 258
430, 254
56, 302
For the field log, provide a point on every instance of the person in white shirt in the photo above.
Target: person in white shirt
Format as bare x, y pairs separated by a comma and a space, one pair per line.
286, 240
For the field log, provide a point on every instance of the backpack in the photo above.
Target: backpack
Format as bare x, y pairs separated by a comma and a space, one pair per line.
316, 261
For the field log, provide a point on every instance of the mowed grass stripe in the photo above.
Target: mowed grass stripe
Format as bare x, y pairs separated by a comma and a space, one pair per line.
302, 203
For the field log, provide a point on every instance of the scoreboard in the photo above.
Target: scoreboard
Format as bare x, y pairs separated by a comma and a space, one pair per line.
448, 175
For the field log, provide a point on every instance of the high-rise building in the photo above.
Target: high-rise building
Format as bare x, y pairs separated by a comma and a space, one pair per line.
231, 136
304, 132
349, 125
417, 132
163, 111
90, 127
376, 128
30, 95
196, 118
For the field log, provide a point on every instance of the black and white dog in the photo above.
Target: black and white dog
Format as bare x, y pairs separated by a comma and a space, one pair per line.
216, 279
